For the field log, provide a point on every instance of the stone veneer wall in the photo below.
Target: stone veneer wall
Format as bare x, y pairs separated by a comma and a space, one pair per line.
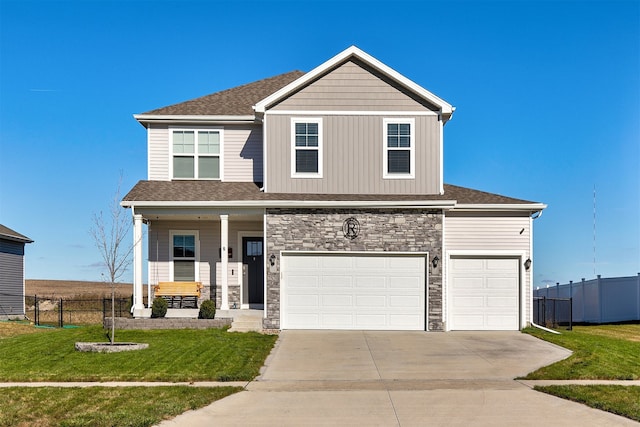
381, 230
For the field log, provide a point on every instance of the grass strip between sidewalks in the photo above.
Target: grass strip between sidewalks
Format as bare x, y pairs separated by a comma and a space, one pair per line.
617, 399
102, 406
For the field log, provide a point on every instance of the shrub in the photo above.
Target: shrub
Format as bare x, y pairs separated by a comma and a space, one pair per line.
207, 310
159, 307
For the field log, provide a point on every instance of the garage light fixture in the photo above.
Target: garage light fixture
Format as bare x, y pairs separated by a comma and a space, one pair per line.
527, 264
272, 260
435, 261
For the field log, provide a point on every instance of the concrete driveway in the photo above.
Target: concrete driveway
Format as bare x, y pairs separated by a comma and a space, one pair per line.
399, 379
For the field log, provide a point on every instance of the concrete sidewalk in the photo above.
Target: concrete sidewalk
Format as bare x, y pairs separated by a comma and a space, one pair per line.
399, 379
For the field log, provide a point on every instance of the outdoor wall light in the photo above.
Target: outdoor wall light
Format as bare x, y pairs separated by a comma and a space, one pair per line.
435, 261
527, 264
272, 260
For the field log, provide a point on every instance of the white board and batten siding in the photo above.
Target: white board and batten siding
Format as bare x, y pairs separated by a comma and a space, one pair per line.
242, 152
353, 291
487, 288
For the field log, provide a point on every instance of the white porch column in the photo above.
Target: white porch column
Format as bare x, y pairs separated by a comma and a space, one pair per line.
224, 255
138, 303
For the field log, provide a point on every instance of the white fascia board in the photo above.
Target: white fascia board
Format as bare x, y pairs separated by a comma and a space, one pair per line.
446, 108
431, 204
168, 118
533, 207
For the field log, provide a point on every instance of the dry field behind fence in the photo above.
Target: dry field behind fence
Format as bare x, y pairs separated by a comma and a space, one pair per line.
76, 289
83, 300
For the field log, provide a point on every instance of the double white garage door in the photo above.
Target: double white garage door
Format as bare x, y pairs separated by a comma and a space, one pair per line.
348, 291
387, 292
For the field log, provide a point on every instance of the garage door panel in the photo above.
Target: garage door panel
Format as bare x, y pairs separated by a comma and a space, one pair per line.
468, 301
375, 301
304, 281
303, 300
484, 294
371, 282
501, 283
501, 302
344, 263
337, 300
467, 283
403, 321
499, 264
354, 292
336, 281
407, 301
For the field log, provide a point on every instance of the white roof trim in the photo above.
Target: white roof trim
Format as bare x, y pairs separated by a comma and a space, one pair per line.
500, 207
189, 118
434, 204
445, 107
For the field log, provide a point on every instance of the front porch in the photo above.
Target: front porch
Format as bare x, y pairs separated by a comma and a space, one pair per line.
223, 251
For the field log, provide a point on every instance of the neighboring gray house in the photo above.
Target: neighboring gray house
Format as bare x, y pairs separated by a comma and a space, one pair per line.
12, 273
320, 198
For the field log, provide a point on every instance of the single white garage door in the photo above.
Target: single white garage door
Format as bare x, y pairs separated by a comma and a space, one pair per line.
484, 294
344, 291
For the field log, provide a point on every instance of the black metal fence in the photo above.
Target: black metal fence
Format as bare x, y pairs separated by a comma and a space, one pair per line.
553, 312
62, 311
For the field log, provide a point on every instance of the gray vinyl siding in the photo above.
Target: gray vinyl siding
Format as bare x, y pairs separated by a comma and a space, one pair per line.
158, 153
11, 278
350, 87
243, 153
473, 231
476, 231
209, 234
353, 150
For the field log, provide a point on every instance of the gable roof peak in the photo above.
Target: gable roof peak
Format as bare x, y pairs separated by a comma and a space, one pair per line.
353, 51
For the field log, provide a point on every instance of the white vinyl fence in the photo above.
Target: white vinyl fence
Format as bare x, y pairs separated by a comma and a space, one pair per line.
615, 299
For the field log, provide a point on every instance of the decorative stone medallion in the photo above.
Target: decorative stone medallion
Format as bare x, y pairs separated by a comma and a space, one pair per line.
351, 228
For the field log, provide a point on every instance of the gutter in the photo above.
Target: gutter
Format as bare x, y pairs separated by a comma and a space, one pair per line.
433, 204
170, 118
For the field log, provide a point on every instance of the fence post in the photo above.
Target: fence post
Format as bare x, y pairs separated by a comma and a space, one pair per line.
36, 313
60, 314
571, 314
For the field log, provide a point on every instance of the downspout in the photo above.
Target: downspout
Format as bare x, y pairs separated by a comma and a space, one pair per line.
531, 219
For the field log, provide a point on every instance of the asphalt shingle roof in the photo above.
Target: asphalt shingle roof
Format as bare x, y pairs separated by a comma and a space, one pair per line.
237, 101
203, 191
7, 233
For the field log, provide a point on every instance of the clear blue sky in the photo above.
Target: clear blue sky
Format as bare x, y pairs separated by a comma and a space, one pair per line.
547, 96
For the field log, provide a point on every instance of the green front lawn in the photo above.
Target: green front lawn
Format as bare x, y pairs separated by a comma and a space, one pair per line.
173, 355
102, 406
606, 352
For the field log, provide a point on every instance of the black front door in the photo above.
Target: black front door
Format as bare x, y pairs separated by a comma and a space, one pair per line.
253, 258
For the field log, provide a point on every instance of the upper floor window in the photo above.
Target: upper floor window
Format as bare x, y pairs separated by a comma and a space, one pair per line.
306, 148
196, 154
399, 148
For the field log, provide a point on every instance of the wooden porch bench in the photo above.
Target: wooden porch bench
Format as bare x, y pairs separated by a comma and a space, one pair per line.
172, 290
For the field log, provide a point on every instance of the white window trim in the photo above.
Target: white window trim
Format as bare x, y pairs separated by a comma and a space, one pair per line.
195, 129
196, 266
412, 149
295, 174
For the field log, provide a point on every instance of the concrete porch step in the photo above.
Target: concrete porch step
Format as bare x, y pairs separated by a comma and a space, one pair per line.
246, 324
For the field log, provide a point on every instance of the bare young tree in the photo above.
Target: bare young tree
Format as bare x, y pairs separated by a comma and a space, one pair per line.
109, 233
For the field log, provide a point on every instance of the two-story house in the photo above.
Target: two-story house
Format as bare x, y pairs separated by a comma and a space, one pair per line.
320, 198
